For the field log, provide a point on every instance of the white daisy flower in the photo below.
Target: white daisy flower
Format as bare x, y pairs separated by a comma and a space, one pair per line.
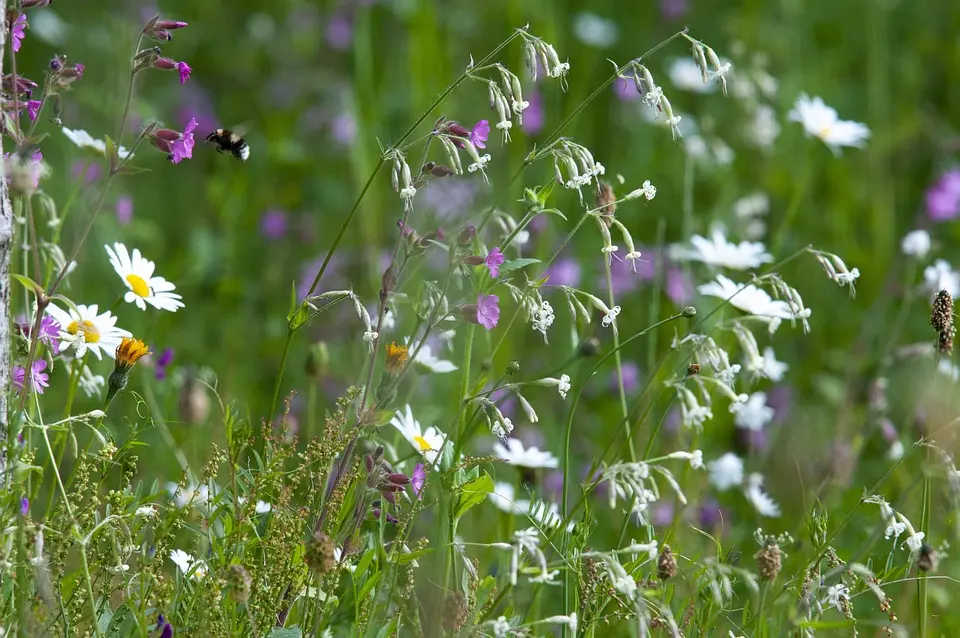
188, 564
760, 500
726, 471
822, 121
84, 140
754, 414
428, 442
88, 331
426, 359
515, 454
939, 276
137, 273
916, 243
752, 300
146, 511
717, 251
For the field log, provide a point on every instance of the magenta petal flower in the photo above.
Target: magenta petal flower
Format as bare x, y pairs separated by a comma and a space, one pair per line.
417, 480
17, 32
33, 109
534, 116
274, 224
50, 332
493, 261
39, 377
163, 362
184, 70
125, 209
943, 198
24, 506
183, 148
488, 311
480, 133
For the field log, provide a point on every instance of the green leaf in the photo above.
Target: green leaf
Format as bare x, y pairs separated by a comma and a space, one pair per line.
298, 316
516, 264
110, 152
380, 417
128, 169
72, 306
472, 493
123, 623
286, 632
554, 211
409, 557
28, 283
293, 299
369, 585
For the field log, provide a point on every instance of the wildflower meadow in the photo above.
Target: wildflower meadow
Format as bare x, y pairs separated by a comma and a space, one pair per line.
409, 318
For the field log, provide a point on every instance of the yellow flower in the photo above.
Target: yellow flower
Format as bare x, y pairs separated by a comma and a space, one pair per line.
396, 357
129, 352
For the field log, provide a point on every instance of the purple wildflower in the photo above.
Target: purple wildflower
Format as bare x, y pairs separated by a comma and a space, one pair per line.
710, 515
488, 311
631, 378
79, 68
39, 376
163, 362
625, 90
679, 287
480, 133
24, 506
343, 128
33, 109
50, 332
125, 209
17, 31
274, 223
183, 148
89, 172
417, 480
165, 628
493, 261
623, 278
533, 115
564, 272
662, 514
184, 70
673, 9
339, 31
943, 198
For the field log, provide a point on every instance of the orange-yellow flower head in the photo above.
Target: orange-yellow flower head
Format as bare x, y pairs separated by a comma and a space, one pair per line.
396, 357
129, 352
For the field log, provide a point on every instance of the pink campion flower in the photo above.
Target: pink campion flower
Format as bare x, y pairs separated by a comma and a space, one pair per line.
39, 376
17, 31
493, 261
185, 71
339, 31
79, 69
33, 109
488, 311
417, 480
183, 148
274, 223
625, 90
50, 332
943, 198
480, 133
89, 172
534, 116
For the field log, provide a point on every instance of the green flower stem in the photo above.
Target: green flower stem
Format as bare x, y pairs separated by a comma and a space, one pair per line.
618, 362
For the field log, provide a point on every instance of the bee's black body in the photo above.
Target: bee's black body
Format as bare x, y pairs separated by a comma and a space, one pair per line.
230, 141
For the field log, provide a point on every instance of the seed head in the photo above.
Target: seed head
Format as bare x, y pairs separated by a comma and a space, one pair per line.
769, 560
941, 316
455, 611
320, 554
945, 342
240, 583
666, 563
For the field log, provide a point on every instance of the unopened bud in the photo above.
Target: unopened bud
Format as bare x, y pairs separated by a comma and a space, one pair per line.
56, 63
318, 360
589, 347
467, 235
513, 368
689, 312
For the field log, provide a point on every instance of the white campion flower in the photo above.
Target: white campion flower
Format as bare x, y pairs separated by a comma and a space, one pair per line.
838, 596
726, 471
137, 274
188, 564
773, 369
939, 276
754, 414
760, 500
514, 453
717, 251
695, 458
685, 75
500, 627
564, 386
542, 318
146, 511
610, 316
822, 122
915, 541
84, 140
752, 300
428, 442
916, 243
648, 190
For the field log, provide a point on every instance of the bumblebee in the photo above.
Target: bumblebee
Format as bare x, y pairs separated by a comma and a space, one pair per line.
231, 142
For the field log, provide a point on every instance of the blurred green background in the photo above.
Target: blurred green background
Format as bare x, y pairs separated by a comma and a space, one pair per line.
319, 87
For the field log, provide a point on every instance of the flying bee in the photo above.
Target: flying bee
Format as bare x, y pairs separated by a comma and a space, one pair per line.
231, 142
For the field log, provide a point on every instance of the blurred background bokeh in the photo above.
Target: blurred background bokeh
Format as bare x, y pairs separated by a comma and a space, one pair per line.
321, 87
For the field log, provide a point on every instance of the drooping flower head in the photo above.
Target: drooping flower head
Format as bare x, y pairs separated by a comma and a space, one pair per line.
182, 148
488, 311
418, 479
166, 64
144, 287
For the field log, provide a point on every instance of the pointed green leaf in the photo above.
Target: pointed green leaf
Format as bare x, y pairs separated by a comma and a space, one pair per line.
285, 632
28, 283
128, 169
110, 152
516, 264
472, 493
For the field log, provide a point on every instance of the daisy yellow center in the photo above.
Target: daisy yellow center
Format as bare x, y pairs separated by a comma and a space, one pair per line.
138, 285
87, 327
824, 131
422, 442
